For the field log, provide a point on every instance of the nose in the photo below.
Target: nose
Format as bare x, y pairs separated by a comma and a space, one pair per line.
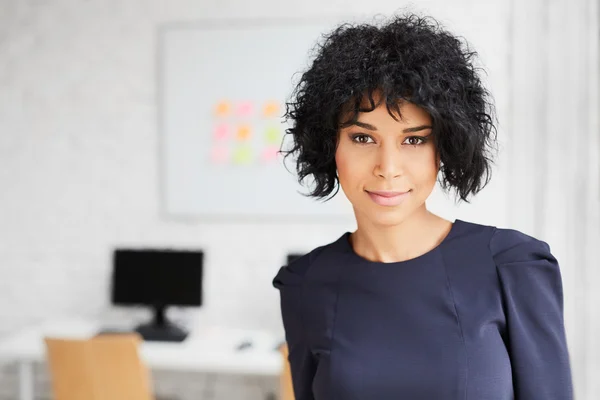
389, 162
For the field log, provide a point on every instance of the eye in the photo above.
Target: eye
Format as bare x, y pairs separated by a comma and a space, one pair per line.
362, 138
415, 140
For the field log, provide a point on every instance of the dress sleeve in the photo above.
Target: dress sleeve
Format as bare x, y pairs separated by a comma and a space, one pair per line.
531, 285
289, 281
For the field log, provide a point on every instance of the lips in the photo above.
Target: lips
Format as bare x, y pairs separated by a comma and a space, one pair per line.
385, 193
388, 198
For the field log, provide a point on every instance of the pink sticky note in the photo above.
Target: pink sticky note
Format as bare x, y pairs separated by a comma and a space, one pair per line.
219, 155
221, 132
269, 154
244, 109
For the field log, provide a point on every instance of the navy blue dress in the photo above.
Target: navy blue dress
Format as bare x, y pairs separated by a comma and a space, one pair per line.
480, 317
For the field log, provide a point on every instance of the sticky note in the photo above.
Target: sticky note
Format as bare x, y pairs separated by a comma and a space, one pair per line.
243, 132
269, 154
219, 155
244, 109
271, 109
221, 132
273, 135
223, 108
242, 155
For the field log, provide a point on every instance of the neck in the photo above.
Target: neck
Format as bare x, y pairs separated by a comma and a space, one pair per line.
416, 235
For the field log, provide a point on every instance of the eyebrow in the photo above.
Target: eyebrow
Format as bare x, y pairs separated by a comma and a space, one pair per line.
406, 130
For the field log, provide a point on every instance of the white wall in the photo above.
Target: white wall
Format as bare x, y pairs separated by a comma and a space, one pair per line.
79, 165
79, 160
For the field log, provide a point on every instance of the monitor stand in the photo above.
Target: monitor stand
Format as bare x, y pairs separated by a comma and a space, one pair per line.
161, 329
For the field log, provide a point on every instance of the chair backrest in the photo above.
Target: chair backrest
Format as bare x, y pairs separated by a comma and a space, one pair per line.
102, 368
286, 387
68, 361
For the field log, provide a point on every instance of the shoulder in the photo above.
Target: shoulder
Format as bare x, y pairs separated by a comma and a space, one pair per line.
294, 273
503, 243
529, 274
510, 245
506, 248
524, 262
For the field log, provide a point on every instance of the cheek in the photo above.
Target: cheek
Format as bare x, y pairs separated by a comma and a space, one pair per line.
347, 164
428, 170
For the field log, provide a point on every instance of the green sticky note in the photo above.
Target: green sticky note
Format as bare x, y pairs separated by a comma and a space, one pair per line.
273, 135
242, 155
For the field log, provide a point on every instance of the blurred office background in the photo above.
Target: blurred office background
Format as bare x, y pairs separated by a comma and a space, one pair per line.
82, 170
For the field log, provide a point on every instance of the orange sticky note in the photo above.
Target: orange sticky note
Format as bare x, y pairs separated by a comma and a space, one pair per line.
243, 132
271, 109
223, 108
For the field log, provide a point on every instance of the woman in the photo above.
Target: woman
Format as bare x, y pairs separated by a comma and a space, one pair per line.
410, 305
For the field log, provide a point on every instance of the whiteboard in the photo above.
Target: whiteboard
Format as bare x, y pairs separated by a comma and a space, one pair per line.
222, 93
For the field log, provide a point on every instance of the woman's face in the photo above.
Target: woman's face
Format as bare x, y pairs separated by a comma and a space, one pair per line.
387, 168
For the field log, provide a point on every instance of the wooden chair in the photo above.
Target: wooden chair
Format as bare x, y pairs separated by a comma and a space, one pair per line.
286, 388
106, 367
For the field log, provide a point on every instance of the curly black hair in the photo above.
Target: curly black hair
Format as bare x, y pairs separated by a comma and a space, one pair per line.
409, 58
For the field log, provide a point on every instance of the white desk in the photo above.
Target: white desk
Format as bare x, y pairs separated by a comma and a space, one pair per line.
211, 350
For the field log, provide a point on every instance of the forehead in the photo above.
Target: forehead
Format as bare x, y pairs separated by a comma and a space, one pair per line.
375, 109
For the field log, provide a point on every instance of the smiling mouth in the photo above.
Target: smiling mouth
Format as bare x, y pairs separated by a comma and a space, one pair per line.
388, 198
387, 193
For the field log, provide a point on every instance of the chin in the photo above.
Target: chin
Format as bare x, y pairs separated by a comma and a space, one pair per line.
390, 220
384, 218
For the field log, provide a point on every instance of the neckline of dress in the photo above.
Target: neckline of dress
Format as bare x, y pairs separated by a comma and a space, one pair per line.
345, 239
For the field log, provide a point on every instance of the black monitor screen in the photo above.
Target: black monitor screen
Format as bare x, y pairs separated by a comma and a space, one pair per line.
157, 277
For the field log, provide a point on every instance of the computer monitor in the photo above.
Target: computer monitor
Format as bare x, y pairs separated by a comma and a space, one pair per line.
158, 278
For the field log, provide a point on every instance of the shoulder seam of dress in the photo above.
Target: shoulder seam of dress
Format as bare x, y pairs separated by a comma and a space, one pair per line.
524, 238
460, 327
314, 255
490, 244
